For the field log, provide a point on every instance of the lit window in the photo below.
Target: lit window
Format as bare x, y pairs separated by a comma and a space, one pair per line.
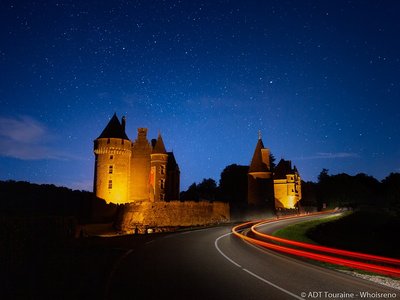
110, 169
162, 184
110, 184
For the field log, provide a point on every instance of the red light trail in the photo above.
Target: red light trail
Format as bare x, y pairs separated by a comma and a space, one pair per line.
348, 262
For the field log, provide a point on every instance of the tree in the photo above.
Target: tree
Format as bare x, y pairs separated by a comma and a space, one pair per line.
233, 184
191, 193
391, 193
309, 193
272, 162
207, 189
323, 175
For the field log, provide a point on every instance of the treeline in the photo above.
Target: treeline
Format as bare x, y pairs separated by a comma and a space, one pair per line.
24, 199
361, 190
341, 190
232, 187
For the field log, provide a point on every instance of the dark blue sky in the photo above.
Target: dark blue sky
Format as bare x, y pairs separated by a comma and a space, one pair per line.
320, 79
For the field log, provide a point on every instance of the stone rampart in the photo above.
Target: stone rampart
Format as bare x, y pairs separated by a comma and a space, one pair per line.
159, 216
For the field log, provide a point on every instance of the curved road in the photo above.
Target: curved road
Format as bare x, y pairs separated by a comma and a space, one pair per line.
213, 264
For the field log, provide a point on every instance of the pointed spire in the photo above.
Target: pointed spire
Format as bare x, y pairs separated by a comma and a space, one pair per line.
159, 146
257, 164
114, 129
259, 135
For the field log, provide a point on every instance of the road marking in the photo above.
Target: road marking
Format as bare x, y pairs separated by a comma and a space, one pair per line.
251, 273
273, 284
222, 253
192, 231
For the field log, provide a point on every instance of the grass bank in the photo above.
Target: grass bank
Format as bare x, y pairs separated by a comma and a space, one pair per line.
366, 231
298, 232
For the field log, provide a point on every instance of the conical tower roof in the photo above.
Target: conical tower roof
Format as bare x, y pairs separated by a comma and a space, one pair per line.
257, 164
114, 129
159, 147
172, 161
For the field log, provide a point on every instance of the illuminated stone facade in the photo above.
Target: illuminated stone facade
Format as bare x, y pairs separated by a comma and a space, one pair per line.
138, 217
136, 171
273, 189
144, 178
287, 185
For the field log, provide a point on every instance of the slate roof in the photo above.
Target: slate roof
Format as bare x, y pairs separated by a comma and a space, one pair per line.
283, 168
114, 129
171, 163
257, 164
159, 147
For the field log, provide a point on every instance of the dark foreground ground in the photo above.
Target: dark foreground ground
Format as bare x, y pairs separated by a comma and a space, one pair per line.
72, 269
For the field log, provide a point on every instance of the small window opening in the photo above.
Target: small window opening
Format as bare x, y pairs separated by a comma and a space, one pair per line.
162, 184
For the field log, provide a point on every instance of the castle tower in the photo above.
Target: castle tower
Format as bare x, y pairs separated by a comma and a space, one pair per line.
287, 185
140, 167
112, 151
260, 181
158, 172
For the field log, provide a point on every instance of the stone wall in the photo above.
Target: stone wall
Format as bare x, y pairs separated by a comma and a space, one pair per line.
162, 216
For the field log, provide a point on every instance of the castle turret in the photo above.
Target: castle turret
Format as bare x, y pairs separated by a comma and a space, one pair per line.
112, 151
260, 181
158, 172
140, 167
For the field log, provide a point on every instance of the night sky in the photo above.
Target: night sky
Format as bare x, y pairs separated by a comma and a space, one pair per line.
320, 79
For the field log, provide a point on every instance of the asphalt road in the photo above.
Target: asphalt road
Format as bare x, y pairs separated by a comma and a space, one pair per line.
213, 264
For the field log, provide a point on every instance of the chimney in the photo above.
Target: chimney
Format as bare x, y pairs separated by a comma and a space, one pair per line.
123, 123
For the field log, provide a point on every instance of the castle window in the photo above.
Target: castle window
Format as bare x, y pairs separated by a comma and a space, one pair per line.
110, 169
162, 184
108, 141
111, 156
162, 197
162, 170
110, 184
